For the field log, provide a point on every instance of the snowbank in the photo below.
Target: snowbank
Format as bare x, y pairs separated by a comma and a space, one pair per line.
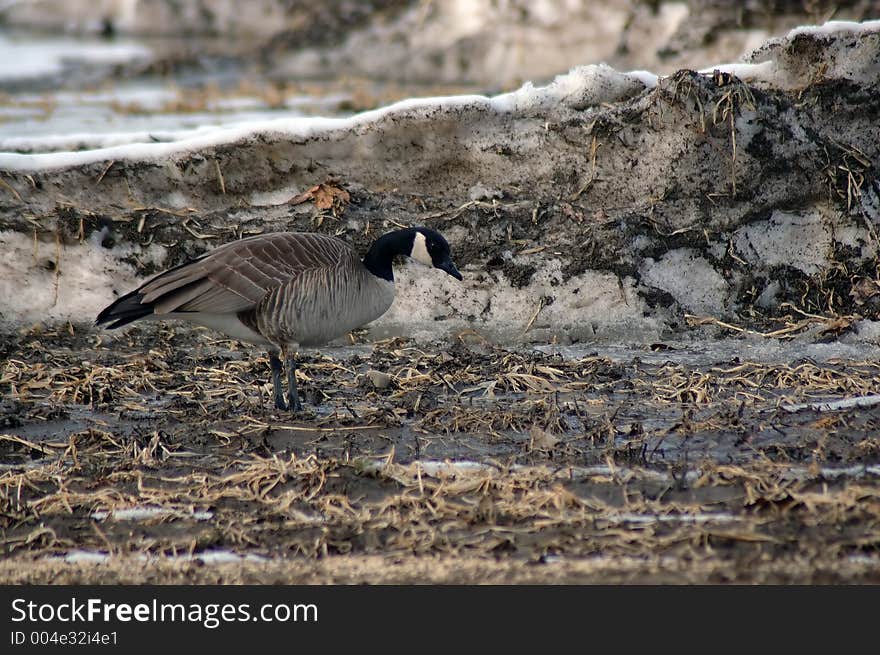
603, 206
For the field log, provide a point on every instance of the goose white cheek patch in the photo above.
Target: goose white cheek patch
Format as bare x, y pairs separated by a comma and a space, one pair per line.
420, 250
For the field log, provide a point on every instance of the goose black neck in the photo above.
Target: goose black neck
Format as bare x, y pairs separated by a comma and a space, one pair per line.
381, 254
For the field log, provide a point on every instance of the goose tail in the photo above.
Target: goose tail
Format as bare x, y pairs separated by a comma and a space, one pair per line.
124, 310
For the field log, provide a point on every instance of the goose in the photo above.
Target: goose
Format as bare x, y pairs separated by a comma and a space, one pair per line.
283, 291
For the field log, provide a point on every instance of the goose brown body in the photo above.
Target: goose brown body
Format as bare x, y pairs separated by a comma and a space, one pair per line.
282, 290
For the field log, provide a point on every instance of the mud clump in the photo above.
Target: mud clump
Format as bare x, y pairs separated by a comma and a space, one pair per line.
519, 275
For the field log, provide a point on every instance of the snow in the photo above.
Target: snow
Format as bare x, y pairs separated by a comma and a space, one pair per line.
147, 513
137, 113
274, 198
844, 52
159, 152
84, 557
676, 273
770, 72
750, 348
762, 72
205, 557
798, 239
64, 281
90, 275
87, 277
427, 299
647, 78
93, 141
832, 27
587, 306
858, 402
649, 519
582, 87
433, 468
39, 58
801, 239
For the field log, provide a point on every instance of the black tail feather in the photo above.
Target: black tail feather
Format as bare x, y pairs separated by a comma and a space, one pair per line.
124, 310
129, 308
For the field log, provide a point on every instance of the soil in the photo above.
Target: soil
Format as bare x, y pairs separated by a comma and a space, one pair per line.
156, 456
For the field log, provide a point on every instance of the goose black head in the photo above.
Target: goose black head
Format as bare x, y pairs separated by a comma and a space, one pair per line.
431, 249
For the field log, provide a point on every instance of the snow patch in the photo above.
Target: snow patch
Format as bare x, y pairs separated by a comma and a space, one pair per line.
689, 278
833, 27
206, 557
648, 519
35, 58
584, 307
847, 51
85, 557
147, 513
798, 239
64, 281
582, 87
835, 405
273, 198
763, 72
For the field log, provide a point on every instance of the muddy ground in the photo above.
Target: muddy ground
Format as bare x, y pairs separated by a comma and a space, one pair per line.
157, 457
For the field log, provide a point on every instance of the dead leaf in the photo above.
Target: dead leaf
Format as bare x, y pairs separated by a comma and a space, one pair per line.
863, 290
837, 325
325, 196
328, 196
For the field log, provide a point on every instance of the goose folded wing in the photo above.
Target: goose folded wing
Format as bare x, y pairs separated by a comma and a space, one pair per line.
237, 275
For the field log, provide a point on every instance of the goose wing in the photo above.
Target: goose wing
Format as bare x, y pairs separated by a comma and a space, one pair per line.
231, 278
236, 276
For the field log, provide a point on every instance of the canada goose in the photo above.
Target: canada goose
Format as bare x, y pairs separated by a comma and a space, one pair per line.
282, 290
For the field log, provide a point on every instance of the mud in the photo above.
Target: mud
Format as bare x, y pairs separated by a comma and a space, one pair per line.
467, 463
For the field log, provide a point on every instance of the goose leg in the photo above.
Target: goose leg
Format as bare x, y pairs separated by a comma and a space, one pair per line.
277, 367
292, 396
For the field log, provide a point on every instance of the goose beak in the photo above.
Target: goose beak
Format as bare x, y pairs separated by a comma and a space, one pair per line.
449, 267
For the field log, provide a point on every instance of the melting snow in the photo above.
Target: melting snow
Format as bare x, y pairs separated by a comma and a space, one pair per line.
146, 513
583, 86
